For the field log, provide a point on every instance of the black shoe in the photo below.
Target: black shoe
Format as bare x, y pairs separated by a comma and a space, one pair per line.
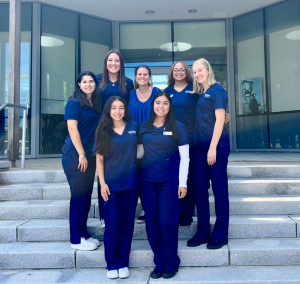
155, 274
185, 221
195, 242
215, 243
168, 274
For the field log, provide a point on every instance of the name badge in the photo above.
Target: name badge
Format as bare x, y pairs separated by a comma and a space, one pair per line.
167, 132
206, 96
132, 132
171, 96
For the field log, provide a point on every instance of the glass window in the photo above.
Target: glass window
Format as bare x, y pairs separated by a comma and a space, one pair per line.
283, 34
25, 76
95, 42
252, 132
146, 42
249, 63
58, 62
285, 130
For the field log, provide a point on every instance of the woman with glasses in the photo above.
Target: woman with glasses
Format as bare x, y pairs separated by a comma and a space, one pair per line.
139, 108
180, 89
112, 82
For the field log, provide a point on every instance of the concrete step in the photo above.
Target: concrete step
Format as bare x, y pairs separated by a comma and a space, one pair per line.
57, 230
4, 165
61, 191
59, 209
191, 275
235, 171
248, 252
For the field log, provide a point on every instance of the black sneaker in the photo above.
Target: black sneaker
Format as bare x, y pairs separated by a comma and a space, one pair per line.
168, 274
195, 242
141, 218
215, 243
155, 274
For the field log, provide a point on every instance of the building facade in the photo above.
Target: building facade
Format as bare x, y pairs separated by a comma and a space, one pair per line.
255, 56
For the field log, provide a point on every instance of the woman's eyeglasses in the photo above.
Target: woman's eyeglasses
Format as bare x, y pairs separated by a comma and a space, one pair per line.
179, 70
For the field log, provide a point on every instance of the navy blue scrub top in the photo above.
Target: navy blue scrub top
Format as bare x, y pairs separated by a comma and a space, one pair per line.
88, 120
140, 111
214, 98
161, 159
113, 89
184, 105
120, 171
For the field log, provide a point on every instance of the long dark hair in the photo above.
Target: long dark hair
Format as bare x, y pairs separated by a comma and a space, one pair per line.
136, 85
189, 77
104, 132
81, 96
170, 122
121, 76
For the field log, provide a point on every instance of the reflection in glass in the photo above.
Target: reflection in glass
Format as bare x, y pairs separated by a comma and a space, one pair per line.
57, 76
252, 132
283, 25
285, 130
25, 75
140, 42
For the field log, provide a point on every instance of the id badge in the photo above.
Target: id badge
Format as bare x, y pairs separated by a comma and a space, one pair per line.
167, 132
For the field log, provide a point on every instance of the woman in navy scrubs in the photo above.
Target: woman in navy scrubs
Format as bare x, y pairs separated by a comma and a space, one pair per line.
82, 114
139, 108
112, 82
164, 172
116, 149
211, 157
180, 89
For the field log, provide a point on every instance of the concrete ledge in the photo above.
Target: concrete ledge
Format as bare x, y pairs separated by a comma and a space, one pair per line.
297, 220
8, 230
265, 252
36, 255
4, 165
16, 192
141, 256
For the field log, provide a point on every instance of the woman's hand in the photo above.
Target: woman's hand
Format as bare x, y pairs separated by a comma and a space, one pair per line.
227, 117
182, 192
211, 156
105, 191
83, 164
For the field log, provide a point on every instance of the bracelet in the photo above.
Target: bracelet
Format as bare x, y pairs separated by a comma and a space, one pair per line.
80, 156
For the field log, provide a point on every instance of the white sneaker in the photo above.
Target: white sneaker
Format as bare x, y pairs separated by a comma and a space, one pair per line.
124, 272
141, 218
102, 223
97, 242
112, 274
84, 245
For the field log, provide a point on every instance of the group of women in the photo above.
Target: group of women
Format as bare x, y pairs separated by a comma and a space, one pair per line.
162, 146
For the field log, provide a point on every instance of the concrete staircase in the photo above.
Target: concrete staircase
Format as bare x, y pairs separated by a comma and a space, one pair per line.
264, 232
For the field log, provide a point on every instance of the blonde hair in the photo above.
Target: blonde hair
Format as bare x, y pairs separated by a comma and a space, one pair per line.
197, 87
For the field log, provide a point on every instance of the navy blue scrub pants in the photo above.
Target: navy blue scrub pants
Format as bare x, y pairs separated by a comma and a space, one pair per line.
81, 186
119, 214
162, 208
100, 201
217, 174
188, 203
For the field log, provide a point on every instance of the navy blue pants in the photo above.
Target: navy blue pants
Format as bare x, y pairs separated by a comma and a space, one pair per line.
188, 203
162, 208
217, 174
100, 201
119, 214
81, 186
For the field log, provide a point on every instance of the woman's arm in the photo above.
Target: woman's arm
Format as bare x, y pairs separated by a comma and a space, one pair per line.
218, 128
140, 151
100, 171
183, 170
76, 140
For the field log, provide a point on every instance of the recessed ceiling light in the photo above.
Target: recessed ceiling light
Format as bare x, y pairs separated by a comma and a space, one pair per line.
48, 41
176, 46
219, 14
149, 12
295, 35
192, 11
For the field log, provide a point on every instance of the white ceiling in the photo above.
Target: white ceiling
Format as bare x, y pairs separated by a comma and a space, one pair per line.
134, 10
